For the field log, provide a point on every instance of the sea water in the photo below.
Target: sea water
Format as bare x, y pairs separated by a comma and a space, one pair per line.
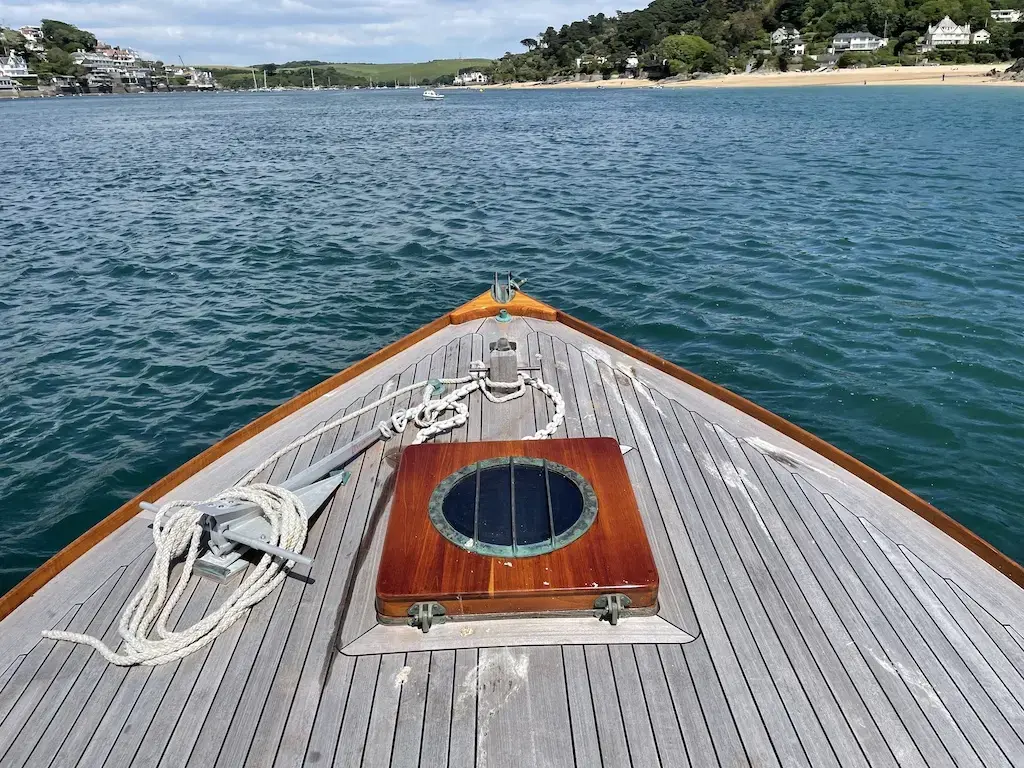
173, 266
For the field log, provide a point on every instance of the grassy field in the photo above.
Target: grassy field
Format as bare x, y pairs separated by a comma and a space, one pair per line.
427, 70
382, 73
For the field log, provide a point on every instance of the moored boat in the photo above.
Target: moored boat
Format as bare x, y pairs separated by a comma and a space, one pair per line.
662, 572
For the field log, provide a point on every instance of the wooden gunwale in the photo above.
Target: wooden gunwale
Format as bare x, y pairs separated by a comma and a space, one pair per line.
521, 305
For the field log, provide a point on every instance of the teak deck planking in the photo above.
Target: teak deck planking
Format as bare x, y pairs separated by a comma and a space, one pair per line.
829, 622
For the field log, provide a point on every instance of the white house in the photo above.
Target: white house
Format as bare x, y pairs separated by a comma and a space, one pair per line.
947, 32
13, 66
471, 78
857, 41
980, 37
784, 35
97, 62
6, 84
1011, 15
33, 38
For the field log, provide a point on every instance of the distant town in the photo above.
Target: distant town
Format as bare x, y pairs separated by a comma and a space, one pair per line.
58, 59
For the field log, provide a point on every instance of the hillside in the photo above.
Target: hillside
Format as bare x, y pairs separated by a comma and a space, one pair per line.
296, 73
687, 36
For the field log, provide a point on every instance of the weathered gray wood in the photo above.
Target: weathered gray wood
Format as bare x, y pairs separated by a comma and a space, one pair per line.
384, 712
902, 652
666, 531
978, 718
893, 710
857, 632
118, 715
26, 668
751, 695
972, 641
462, 738
705, 720
364, 537
48, 690
324, 739
661, 710
437, 718
611, 731
996, 630
303, 641
993, 701
753, 586
411, 705
636, 717
522, 712
352, 734
823, 675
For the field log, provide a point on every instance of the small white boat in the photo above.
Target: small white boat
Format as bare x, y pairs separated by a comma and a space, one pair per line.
431, 95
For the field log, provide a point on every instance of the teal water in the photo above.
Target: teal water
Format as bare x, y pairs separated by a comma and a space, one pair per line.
171, 267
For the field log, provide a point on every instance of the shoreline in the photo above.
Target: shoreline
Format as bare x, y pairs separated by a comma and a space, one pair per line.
955, 74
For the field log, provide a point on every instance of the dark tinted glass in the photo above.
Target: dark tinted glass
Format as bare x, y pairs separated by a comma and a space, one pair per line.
460, 506
494, 521
513, 509
566, 502
532, 522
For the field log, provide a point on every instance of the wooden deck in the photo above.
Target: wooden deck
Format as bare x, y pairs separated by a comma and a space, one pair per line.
805, 617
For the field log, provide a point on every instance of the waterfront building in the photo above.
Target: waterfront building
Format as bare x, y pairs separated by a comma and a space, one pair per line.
981, 37
1008, 15
857, 42
13, 65
33, 39
784, 35
947, 32
471, 78
6, 84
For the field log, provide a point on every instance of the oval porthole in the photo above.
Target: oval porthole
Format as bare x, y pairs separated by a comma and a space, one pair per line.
514, 506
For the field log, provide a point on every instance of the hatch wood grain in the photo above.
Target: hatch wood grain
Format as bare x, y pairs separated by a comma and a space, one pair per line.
418, 564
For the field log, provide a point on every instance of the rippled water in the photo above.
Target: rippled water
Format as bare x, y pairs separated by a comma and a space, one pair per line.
174, 266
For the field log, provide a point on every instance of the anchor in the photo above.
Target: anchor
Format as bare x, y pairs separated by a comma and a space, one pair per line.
230, 529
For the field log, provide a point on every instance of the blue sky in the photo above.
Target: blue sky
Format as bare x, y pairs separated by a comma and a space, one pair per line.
255, 31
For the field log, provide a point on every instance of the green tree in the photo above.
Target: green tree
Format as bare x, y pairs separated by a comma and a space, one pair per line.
58, 34
528, 43
694, 53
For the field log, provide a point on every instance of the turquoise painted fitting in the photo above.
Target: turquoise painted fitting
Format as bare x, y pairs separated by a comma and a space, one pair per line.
504, 316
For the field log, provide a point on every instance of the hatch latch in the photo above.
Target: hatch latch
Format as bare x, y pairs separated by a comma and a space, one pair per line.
424, 615
610, 607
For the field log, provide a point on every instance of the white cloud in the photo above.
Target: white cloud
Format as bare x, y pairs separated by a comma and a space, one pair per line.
253, 31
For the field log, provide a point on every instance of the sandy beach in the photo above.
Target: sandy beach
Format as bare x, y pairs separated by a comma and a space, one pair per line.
949, 74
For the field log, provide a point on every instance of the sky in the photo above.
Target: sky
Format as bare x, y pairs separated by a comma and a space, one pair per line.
257, 31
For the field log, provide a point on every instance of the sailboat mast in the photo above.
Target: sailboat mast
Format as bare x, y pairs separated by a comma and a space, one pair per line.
312, 80
254, 85
264, 79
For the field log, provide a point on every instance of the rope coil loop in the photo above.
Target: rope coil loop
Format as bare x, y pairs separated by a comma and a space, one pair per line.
178, 529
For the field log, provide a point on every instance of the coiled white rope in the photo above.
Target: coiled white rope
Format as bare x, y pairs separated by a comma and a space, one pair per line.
151, 606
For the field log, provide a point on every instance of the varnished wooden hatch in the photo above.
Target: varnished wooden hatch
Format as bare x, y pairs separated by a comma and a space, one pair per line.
450, 541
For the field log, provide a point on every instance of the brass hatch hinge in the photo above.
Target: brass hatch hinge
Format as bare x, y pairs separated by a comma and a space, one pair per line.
611, 606
424, 615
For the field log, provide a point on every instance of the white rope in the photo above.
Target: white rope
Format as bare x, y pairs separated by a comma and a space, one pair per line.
180, 535
150, 607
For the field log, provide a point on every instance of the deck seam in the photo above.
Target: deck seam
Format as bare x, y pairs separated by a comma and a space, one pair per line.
883, 615
758, 600
925, 643
784, 565
968, 668
830, 599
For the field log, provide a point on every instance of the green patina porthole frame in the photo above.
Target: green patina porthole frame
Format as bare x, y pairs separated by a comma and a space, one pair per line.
586, 519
